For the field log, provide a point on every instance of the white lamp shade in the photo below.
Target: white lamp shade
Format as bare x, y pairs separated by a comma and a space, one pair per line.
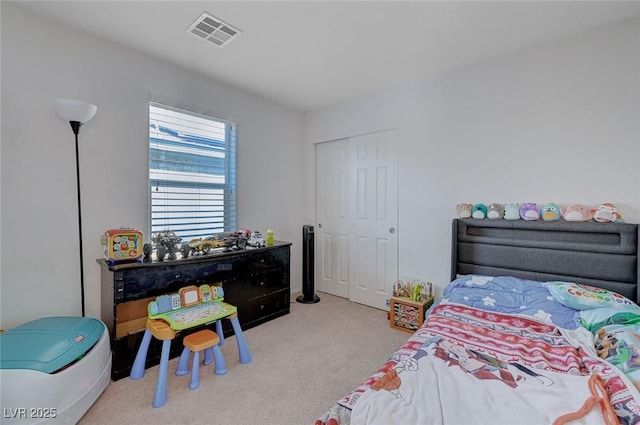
74, 110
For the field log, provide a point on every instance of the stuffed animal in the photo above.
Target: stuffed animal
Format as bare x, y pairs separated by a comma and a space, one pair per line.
479, 211
464, 210
550, 212
606, 213
576, 212
512, 211
529, 211
495, 211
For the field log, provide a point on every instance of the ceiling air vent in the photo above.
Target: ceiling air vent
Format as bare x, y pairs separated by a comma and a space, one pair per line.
213, 29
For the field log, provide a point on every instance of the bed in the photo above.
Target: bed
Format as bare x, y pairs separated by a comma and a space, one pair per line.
539, 325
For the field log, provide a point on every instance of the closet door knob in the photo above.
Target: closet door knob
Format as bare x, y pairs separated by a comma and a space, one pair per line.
392, 229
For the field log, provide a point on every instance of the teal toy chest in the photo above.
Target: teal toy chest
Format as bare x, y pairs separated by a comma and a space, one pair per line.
53, 369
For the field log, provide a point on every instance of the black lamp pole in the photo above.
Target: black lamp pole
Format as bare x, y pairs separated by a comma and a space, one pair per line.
75, 126
76, 113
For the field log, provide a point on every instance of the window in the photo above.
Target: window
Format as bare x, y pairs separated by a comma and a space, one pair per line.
192, 173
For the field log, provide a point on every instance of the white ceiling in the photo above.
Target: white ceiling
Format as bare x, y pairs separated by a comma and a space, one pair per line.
310, 54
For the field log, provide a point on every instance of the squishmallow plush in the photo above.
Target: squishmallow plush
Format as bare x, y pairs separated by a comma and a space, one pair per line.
495, 211
479, 211
529, 211
576, 212
607, 213
512, 211
550, 212
464, 210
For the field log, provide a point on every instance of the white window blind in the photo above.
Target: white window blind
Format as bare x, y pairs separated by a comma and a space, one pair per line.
192, 173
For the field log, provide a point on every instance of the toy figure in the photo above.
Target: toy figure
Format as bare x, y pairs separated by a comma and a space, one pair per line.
479, 211
529, 211
550, 212
166, 242
495, 211
512, 212
464, 210
576, 212
607, 213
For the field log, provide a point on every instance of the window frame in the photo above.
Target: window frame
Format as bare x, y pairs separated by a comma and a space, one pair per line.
177, 150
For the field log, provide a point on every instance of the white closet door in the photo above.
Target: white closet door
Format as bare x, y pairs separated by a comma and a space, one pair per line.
356, 252
333, 215
374, 237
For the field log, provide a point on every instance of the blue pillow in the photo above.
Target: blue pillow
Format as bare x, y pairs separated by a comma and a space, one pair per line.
511, 295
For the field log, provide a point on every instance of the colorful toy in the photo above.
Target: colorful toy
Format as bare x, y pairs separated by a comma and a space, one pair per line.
192, 308
512, 211
464, 210
479, 211
607, 213
256, 240
550, 212
201, 246
576, 212
122, 245
495, 211
529, 211
413, 289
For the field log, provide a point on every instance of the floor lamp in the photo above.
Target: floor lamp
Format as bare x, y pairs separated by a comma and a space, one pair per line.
76, 113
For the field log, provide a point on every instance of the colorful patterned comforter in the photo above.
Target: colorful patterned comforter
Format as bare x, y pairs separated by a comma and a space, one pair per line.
472, 366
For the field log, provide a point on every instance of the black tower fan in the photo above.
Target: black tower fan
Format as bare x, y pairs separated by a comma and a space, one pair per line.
307, 297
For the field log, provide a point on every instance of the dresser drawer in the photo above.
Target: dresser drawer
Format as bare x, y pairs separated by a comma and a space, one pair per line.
259, 310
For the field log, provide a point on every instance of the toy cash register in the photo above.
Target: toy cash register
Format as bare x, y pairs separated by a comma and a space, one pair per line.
122, 245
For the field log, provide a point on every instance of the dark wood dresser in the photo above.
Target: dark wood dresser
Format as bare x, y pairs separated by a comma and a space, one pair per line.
255, 280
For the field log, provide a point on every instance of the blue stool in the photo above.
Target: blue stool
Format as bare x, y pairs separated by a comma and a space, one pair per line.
204, 340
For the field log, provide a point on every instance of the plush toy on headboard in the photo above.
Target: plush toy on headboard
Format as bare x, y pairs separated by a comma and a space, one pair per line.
495, 211
529, 211
550, 212
479, 211
577, 212
512, 211
464, 210
606, 213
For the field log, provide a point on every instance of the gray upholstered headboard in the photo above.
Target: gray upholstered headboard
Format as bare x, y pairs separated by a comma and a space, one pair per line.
597, 254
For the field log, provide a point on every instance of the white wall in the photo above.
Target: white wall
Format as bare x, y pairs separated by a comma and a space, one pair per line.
40, 271
559, 122
556, 123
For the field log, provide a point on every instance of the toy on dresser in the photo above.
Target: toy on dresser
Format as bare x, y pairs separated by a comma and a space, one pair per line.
123, 245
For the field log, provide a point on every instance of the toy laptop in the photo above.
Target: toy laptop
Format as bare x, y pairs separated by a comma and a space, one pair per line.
122, 245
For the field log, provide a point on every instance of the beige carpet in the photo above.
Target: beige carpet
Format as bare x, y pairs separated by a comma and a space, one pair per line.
302, 364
